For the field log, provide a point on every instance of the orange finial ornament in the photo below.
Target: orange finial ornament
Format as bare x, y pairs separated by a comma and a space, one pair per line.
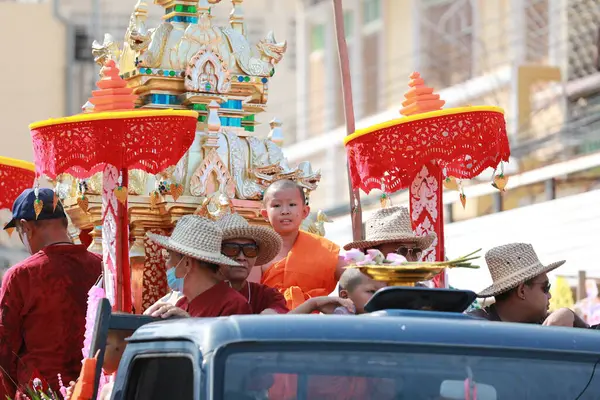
114, 94
420, 97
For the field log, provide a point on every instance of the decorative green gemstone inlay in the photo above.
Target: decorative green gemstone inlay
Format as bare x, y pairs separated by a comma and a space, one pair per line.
199, 107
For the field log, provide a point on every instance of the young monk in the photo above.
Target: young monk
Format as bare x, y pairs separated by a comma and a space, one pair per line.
307, 265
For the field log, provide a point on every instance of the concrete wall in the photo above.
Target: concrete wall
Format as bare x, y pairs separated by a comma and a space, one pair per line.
32, 73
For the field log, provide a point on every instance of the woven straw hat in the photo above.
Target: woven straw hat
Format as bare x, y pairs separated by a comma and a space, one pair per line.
389, 225
269, 243
513, 264
196, 237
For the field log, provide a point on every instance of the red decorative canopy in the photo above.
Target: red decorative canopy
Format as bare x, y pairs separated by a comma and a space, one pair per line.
15, 177
82, 144
463, 141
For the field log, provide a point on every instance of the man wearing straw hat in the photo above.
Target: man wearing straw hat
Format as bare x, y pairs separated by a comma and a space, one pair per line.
389, 230
194, 259
250, 245
521, 289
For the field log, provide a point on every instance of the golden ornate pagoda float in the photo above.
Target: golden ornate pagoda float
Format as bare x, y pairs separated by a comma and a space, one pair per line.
189, 63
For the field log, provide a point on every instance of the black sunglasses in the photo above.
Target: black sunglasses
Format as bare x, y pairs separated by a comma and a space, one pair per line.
404, 251
545, 286
234, 249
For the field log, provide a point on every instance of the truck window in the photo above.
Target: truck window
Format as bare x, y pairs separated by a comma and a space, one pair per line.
426, 374
159, 377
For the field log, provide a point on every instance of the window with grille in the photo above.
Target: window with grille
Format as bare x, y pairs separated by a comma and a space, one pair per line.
371, 11
583, 45
447, 30
537, 33
317, 37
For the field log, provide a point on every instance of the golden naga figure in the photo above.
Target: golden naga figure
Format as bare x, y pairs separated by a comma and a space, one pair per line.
316, 225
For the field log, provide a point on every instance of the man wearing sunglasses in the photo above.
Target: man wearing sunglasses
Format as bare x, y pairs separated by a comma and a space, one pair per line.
250, 245
521, 289
389, 230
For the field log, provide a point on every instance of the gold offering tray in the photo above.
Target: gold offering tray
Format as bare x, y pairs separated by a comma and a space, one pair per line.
409, 273
399, 275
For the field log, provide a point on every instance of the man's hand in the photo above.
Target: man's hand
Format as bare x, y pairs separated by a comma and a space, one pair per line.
561, 317
327, 304
324, 304
165, 310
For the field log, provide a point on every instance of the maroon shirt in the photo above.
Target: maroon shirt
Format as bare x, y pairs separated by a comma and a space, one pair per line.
260, 297
43, 303
218, 301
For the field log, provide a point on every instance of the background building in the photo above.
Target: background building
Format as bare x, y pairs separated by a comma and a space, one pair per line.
535, 58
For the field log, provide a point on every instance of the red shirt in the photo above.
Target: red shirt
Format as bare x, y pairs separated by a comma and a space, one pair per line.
218, 301
260, 297
43, 303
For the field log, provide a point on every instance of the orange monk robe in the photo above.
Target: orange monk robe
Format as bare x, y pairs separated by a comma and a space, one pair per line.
307, 271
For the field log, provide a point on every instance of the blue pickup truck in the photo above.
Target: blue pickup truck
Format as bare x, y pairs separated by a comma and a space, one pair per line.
386, 354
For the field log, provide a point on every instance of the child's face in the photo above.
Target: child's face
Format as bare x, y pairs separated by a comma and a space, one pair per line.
115, 346
285, 210
363, 293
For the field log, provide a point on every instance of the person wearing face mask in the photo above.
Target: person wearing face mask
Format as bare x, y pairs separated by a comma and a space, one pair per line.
193, 269
43, 299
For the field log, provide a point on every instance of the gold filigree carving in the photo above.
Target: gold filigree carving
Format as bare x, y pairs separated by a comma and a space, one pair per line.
212, 176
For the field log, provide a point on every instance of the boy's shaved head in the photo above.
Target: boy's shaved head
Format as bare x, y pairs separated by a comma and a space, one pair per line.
351, 278
284, 184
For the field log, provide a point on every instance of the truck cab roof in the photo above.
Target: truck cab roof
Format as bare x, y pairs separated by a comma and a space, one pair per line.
396, 326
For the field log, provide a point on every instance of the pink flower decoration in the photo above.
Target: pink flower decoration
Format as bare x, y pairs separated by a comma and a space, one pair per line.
354, 256
376, 256
395, 259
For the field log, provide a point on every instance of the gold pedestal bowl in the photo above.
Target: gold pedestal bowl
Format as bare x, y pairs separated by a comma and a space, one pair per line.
409, 273
399, 275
